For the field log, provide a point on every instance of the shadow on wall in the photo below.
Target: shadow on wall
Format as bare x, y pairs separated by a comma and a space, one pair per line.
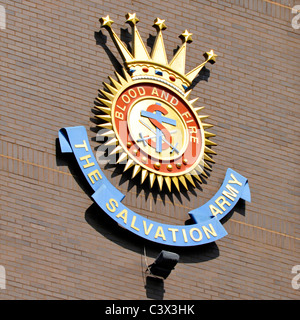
108, 228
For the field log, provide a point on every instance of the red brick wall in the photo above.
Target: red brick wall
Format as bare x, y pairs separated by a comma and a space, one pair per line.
54, 242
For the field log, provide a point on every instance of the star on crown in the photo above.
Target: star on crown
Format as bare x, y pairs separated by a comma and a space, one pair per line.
140, 63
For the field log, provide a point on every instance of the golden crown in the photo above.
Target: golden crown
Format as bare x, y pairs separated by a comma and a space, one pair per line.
155, 66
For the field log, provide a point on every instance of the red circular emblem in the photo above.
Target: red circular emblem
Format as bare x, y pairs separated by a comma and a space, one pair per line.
159, 129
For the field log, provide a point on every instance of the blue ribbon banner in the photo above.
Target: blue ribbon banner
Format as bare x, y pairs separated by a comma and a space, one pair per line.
206, 228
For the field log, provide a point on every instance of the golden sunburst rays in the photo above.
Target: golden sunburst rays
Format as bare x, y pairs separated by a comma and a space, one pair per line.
105, 106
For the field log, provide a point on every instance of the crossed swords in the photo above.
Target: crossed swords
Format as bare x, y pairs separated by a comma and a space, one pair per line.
143, 139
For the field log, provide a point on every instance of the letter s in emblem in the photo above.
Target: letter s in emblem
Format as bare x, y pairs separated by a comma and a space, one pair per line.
156, 115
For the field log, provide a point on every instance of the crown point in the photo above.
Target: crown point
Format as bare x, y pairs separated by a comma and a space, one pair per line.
186, 36
210, 56
106, 22
160, 24
132, 18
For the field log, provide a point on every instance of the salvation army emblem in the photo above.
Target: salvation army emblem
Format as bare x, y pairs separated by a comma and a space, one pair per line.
159, 133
